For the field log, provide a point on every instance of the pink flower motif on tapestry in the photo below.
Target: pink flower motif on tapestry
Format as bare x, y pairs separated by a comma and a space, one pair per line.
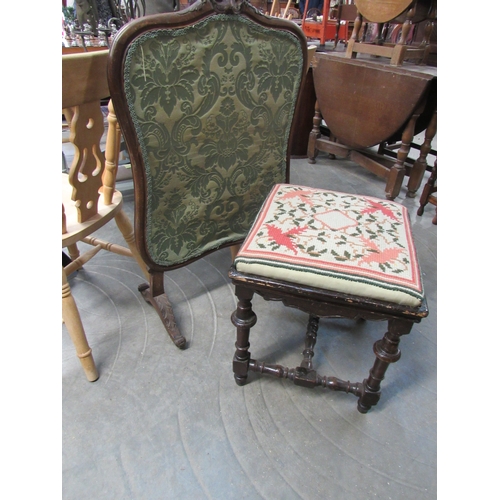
378, 206
283, 239
302, 195
379, 256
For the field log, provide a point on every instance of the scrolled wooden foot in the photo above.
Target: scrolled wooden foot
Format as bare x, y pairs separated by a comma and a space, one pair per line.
164, 309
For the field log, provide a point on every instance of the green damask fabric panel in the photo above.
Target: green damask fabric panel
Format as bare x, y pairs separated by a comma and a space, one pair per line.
212, 108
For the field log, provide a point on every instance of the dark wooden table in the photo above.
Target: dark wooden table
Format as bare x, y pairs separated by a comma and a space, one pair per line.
367, 103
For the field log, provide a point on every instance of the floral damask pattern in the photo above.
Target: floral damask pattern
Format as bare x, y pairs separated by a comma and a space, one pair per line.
337, 241
212, 106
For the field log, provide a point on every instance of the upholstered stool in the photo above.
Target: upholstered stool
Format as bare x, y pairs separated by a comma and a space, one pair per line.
329, 254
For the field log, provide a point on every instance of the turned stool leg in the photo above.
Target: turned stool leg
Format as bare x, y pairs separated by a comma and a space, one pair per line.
311, 336
73, 322
386, 350
243, 319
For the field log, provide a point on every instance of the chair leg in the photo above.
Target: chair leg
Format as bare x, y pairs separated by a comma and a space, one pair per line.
124, 225
386, 351
420, 165
428, 190
234, 250
243, 319
164, 309
158, 300
397, 172
73, 251
154, 293
73, 322
315, 134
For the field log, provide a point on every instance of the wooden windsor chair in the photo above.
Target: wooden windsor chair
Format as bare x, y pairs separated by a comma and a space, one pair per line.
89, 197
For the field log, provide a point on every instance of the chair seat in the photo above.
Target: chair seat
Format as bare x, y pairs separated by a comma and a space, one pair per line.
351, 244
75, 230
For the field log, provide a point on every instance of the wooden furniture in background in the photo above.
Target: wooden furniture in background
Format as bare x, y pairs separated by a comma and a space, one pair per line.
275, 8
89, 197
365, 103
346, 16
304, 114
429, 193
406, 12
80, 50
426, 122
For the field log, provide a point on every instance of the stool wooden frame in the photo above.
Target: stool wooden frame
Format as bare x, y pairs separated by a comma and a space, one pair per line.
319, 303
331, 255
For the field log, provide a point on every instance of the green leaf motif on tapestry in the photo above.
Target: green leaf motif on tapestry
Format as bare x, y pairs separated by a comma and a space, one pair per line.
279, 74
166, 77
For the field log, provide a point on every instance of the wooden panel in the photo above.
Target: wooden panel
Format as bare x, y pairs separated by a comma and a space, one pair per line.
84, 78
303, 118
383, 11
363, 103
80, 50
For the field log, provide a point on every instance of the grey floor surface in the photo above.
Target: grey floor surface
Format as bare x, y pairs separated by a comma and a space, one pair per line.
161, 423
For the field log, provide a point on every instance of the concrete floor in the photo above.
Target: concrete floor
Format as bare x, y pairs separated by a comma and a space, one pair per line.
171, 424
